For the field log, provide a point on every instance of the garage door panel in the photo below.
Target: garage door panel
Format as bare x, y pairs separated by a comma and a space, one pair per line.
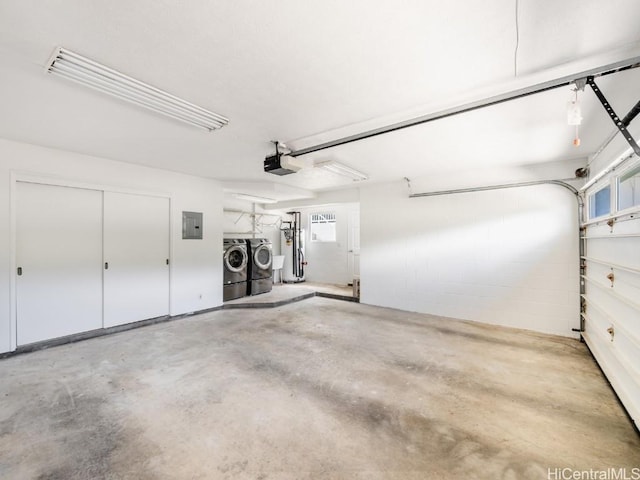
619, 251
626, 386
629, 349
628, 279
626, 227
624, 342
613, 298
615, 307
620, 281
620, 228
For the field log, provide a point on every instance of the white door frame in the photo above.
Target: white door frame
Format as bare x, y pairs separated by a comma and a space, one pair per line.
29, 177
352, 251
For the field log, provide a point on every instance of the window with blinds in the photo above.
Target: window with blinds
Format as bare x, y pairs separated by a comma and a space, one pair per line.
322, 227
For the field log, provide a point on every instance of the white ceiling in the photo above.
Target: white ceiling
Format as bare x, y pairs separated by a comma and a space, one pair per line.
306, 71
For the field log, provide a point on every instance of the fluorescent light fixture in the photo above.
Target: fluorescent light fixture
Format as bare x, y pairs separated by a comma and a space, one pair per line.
342, 170
85, 71
254, 198
296, 163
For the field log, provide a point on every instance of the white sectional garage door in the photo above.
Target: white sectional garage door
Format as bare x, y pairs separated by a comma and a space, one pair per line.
611, 308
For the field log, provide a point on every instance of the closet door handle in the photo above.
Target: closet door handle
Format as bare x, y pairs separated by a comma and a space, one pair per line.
19, 271
106, 265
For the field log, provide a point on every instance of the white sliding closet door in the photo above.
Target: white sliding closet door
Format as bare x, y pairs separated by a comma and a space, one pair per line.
136, 253
59, 260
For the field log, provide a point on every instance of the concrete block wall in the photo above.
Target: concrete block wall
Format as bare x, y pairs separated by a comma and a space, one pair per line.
505, 257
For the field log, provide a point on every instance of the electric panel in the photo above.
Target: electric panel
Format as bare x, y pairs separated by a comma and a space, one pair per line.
192, 225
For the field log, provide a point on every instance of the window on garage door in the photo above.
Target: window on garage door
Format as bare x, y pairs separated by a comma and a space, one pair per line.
629, 189
600, 202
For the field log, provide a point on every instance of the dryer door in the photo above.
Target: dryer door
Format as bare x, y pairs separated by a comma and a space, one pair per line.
262, 257
235, 258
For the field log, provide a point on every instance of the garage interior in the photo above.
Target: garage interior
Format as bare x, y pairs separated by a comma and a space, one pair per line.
448, 198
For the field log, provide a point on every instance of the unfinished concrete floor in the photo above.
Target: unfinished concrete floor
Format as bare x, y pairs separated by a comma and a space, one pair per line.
319, 389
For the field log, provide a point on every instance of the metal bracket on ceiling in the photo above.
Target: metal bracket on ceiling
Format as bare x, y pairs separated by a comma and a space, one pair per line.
621, 124
580, 84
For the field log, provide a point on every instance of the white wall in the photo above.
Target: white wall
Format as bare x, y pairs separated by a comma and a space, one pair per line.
327, 262
196, 268
506, 257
